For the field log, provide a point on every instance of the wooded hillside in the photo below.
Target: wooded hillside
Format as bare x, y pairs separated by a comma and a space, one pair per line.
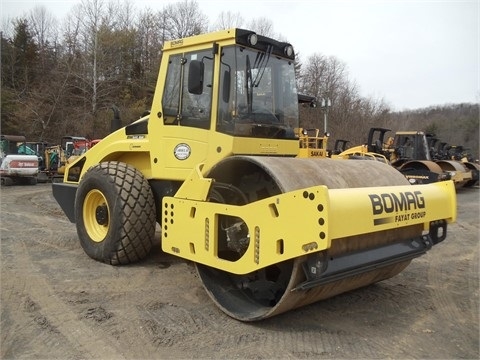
63, 78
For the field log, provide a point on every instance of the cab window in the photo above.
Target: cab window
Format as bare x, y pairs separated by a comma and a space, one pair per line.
186, 107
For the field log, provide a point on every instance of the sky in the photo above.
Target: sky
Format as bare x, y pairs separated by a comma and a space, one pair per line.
410, 54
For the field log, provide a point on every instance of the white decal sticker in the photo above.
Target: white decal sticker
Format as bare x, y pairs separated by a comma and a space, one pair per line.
182, 151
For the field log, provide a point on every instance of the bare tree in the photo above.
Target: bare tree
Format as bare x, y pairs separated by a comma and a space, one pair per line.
228, 20
122, 13
43, 25
6, 29
91, 16
262, 26
311, 79
350, 115
150, 40
183, 19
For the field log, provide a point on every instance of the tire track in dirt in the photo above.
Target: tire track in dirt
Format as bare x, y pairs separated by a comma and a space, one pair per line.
453, 308
175, 324
56, 324
358, 322
53, 315
107, 285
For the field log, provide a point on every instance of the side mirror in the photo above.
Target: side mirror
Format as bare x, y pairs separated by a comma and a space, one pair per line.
195, 77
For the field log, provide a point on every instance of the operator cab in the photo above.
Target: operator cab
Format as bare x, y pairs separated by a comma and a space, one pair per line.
412, 146
256, 94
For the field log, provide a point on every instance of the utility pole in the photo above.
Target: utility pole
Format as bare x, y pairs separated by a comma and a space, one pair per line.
326, 103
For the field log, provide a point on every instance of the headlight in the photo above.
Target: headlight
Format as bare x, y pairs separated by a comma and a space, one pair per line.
288, 50
252, 39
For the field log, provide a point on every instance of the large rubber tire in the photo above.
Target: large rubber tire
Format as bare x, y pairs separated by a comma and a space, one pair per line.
115, 213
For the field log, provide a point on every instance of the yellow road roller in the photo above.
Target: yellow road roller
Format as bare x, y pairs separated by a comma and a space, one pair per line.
215, 163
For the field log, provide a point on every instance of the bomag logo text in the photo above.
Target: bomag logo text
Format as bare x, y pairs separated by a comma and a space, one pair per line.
391, 202
175, 43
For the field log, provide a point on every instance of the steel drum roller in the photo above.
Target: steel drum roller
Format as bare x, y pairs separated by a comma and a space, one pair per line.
274, 290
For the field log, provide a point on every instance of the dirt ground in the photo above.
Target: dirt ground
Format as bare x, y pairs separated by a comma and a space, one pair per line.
57, 303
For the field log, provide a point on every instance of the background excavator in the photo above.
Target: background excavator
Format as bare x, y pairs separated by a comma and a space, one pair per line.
18, 163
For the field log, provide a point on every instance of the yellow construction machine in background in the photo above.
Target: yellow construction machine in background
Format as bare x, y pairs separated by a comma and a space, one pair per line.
441, 151
57, 157
409, 152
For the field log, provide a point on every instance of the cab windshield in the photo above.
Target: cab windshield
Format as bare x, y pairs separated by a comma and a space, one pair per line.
258, 96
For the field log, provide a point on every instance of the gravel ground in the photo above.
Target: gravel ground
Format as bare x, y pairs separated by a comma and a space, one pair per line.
57, 303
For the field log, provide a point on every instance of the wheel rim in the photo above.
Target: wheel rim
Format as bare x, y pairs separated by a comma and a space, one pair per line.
96, 215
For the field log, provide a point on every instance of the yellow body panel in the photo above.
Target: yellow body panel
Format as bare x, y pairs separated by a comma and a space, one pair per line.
116, 146
323, 218
362, 151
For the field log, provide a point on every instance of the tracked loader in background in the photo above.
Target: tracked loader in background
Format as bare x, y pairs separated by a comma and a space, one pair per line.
215, 164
